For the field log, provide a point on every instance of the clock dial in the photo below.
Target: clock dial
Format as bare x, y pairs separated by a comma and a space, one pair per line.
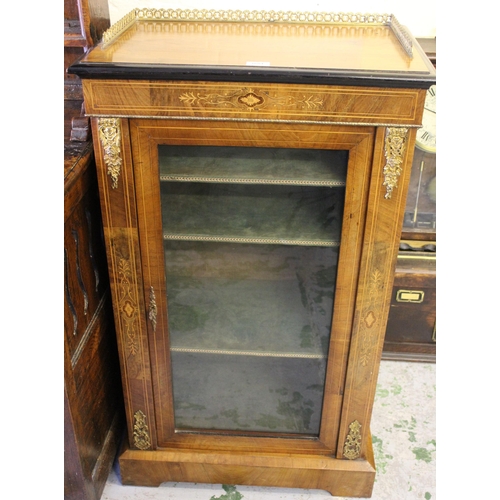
426, 136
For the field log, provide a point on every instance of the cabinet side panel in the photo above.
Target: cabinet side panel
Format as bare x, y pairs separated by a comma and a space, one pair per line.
117, 194
379, 254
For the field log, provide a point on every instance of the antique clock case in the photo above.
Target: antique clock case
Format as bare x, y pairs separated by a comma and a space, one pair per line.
411, 327
253, 170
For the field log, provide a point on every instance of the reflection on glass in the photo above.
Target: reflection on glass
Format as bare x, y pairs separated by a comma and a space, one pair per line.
250, 272
251, 213
420, 212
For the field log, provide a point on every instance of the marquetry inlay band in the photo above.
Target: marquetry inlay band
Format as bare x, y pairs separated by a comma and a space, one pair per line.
110, 137
395, 145
369, 317
255, 16
250, 99
352, 445
141, 431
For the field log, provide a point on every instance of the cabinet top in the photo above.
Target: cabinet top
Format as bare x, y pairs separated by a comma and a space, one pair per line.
292, 47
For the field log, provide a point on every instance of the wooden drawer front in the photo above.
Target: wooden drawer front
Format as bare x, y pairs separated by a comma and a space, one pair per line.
313, 103
412, 315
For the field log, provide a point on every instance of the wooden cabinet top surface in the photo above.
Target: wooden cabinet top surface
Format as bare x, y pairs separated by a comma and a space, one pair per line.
315, 48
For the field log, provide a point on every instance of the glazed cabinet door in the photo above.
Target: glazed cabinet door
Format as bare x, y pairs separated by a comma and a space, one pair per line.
250, 239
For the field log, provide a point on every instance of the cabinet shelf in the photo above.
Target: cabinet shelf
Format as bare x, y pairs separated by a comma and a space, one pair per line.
245, 393
237, 165
250, 300
284, 215
262, 354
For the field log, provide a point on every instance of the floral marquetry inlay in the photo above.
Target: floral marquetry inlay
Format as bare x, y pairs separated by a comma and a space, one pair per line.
127, 305
250, 99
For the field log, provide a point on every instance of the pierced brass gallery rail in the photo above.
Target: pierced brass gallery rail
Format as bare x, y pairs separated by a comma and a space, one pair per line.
110, 136
254, 16
262, 16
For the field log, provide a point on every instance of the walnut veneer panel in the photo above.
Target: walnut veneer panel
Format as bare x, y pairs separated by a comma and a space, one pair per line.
253, 101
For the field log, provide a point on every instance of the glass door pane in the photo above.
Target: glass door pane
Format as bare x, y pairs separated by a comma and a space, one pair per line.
251, 239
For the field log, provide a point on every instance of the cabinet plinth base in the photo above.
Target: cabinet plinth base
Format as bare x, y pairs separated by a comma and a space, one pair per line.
353, 478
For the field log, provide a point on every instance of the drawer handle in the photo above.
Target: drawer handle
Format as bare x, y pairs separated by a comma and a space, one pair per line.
413, 296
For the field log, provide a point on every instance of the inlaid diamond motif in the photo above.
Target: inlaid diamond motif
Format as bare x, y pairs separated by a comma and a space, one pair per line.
251, 100
128, 309
370, 319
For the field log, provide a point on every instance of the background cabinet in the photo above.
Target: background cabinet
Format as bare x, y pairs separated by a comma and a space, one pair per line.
411, 327
93, 404
252, 213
